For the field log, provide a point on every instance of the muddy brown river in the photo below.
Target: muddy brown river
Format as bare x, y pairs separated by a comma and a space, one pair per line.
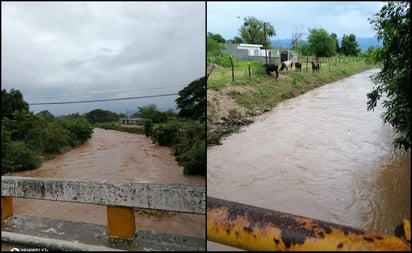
116, 155
321, 155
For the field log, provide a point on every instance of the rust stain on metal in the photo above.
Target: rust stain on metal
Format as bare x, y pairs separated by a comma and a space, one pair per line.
248, 229
253, 228
368, 239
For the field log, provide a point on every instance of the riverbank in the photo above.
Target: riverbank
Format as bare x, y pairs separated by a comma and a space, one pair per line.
234, 104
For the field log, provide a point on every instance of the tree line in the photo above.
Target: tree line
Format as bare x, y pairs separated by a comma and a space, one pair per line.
27, 138
185, 131
320, 42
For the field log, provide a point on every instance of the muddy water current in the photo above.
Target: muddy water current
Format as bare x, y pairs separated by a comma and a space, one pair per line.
320, 155
113, 155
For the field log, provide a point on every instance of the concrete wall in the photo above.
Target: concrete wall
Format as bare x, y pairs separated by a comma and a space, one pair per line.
180, 198
252, 55
232, 50
131, 121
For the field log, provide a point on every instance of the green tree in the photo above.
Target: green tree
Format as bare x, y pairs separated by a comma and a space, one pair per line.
101, 116
36, 133
335, 38
235, 40
19, 157
170, 114
349, 45
6, 162
46, 115
25, 136
166, 134
190, 150
392, 24
213, 47
368, 54
79, 129
304, 49
56, 138
192, 100
20, 125
12, 101
252, 31
151, 112
148, 127
321, 44
217, 37
194, 160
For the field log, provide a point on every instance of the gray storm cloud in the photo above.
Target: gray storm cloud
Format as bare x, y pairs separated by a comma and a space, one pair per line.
73, 50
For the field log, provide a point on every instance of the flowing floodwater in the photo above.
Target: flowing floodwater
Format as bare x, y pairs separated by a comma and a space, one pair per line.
113, 155
321, 155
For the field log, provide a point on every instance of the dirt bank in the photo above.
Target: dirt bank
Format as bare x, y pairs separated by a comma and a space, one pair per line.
225, 116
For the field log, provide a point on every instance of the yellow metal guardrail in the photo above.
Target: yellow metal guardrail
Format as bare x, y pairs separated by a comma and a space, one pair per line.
252, 228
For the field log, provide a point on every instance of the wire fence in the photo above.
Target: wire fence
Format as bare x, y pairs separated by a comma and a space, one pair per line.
247, 68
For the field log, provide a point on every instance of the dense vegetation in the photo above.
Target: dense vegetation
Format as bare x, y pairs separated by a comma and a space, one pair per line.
320, 42
184, 132
392, 24
27, 138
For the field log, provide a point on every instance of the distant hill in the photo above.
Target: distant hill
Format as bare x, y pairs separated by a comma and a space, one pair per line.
364, 43
282, 44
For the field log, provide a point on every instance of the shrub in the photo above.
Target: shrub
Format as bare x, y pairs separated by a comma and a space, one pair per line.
194, 160
18, 157
79, 129
166, 134
221, 60
148, 127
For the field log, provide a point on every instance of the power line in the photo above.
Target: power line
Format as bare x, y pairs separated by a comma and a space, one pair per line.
224, 14
102, 92
102, 100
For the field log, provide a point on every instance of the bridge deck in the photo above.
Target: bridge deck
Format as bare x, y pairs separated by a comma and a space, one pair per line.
80, 235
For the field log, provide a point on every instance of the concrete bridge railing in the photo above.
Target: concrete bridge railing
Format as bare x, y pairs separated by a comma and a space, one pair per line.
120, 198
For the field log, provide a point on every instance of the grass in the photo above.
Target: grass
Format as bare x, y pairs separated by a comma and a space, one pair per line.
264, 91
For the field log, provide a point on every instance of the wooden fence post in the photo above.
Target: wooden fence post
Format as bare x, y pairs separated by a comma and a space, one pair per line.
233, 70
307, 61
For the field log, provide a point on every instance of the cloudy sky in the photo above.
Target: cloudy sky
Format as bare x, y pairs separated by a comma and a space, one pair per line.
226, 18
80, 51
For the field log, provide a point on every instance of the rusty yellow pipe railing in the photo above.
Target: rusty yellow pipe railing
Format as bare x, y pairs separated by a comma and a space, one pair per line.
252, 228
